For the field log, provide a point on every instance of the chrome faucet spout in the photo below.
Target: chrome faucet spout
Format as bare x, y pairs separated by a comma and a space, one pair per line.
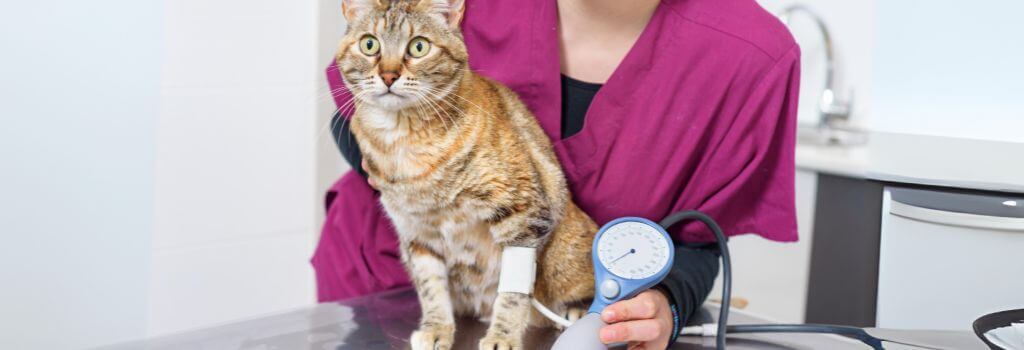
831, 109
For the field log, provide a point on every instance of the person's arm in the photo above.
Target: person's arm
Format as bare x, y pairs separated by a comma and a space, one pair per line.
690, 280
347, 143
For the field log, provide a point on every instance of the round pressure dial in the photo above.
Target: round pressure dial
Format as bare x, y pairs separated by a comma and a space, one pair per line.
633, 250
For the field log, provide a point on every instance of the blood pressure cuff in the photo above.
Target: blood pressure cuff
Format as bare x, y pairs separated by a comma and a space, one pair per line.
518, 270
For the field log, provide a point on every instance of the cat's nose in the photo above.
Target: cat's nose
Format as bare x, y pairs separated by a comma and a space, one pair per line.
389, 78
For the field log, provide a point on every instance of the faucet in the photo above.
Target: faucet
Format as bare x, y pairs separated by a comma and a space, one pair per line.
831, 110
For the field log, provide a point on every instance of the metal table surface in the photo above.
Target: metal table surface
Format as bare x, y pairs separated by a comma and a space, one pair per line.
384, 321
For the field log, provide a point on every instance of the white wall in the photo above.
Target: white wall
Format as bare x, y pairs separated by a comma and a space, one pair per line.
950, 68
945, 68
159, 168
330, 164
78, 116
235, 197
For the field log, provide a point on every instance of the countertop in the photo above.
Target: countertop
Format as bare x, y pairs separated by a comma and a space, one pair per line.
384, 321
922, 159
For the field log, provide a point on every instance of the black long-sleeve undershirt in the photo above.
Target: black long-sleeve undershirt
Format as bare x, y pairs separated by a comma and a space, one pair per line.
691, 278
347, 143
695, 266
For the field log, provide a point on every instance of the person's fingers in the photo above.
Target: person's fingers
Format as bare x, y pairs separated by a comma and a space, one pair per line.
632, 331
640, 307
637, 346
369, 180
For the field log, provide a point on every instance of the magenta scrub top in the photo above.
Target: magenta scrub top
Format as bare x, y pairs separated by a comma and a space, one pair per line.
700, 114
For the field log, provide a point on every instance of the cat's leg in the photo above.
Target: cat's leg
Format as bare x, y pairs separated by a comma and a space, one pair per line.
511, 316
430, 277
509, 322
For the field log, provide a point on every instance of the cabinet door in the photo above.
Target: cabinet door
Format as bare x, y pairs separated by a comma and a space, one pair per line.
947, 258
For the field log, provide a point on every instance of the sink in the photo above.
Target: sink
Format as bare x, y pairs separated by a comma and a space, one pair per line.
830, 137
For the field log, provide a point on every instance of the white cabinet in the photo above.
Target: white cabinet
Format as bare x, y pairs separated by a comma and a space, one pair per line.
947, 258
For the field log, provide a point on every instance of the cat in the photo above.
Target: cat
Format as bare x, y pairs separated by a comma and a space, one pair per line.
463, 169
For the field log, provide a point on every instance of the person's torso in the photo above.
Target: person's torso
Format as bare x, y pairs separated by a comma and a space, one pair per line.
669, 99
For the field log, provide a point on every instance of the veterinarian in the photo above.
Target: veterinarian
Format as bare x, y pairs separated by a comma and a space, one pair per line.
653, 107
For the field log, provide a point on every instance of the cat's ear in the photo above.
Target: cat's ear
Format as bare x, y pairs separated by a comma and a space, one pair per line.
354, 8
450, 10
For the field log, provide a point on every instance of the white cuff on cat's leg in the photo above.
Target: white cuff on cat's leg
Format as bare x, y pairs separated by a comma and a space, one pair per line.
518, 270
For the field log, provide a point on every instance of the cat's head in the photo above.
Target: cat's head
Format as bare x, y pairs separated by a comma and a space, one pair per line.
397, 53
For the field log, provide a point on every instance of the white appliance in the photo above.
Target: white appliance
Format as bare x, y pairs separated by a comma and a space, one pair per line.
948, 257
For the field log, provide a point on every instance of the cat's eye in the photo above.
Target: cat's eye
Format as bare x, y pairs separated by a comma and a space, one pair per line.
419, 47
369, 45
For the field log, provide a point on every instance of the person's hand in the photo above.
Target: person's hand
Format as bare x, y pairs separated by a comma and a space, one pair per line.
645, 321
369, 180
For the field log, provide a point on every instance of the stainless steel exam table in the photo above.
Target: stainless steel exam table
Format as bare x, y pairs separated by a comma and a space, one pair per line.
384, 321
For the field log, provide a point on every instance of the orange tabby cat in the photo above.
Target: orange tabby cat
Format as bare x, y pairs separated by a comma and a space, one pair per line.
464, 171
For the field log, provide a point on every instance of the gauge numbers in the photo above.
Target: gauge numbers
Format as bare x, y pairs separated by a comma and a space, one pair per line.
633, 250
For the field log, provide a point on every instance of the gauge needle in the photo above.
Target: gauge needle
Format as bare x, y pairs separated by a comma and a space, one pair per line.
631, 251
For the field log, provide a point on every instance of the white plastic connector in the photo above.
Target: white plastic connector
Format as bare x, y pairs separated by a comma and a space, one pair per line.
704, 330
518, 270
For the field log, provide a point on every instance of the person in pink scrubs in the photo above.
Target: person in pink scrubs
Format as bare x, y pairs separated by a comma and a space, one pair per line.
653, 107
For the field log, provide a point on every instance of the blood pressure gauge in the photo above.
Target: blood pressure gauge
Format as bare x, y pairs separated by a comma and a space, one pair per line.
630, 255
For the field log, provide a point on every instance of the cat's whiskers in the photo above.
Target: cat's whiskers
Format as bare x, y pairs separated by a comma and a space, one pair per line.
419, 110
437, 97
351, 106
425, 100
436, 94
429, 93
333, 92
343, 110
325, 89
426, 115
453, 93
340, 110
414, 87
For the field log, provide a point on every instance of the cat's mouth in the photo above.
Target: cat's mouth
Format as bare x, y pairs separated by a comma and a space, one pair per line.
392, 99
392, 94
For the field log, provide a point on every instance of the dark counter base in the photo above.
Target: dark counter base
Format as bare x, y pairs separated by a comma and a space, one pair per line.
843, 279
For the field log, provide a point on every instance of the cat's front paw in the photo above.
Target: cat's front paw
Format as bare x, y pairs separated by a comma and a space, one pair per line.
436, 337
500, 342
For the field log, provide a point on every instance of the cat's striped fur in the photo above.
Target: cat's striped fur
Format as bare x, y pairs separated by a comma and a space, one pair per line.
463, 170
